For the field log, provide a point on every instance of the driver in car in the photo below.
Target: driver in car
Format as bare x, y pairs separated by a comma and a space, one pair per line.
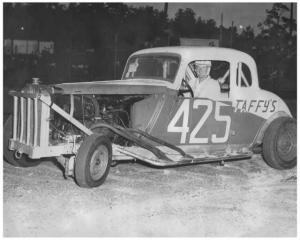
205, 86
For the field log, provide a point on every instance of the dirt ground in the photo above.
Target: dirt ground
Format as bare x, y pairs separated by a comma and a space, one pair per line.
242, 198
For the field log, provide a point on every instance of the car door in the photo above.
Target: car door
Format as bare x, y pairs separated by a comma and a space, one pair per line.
196, 123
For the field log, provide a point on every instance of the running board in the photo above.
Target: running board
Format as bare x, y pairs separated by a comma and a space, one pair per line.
184, 160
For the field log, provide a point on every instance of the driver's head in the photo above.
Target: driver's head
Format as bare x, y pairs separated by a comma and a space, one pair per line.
202, 69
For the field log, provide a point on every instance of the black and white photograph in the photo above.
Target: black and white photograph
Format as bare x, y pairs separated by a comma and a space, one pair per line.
149, 119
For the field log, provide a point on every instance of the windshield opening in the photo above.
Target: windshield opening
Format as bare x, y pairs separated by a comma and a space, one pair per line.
152, 66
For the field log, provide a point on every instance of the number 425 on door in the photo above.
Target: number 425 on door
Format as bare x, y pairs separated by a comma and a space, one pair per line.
184, 112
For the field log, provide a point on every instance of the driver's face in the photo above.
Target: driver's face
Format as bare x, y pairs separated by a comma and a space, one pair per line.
202, 71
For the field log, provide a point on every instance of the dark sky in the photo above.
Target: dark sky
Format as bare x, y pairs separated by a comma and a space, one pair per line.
243, 14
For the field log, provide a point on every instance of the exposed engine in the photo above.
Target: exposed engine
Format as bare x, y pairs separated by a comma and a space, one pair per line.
92, 110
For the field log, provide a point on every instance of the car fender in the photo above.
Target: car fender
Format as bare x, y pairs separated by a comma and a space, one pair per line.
282, 110
259, 137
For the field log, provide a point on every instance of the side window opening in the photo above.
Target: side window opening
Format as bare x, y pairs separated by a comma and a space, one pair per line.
208, 78
244, 78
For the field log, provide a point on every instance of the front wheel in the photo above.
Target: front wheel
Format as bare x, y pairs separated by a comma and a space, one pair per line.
280, 143
93, 161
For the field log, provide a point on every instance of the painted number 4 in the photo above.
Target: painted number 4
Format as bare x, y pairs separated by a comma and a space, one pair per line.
183, 112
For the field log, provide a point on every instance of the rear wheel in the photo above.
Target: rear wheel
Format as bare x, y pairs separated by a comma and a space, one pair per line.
93, 161
9, 156
280, 143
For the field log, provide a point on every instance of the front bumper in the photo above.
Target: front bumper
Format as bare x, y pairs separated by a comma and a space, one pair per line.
36, 152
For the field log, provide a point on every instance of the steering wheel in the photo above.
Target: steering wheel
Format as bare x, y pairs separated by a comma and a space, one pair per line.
188, 90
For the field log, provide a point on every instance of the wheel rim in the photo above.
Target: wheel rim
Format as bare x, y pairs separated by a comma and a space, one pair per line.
286, 144
99, 162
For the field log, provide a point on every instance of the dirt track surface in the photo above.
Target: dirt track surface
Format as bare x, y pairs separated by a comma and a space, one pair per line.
242, 198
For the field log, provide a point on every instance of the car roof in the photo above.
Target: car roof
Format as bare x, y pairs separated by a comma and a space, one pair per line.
194, 53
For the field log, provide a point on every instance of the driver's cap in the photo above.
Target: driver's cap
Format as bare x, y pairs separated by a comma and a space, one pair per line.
207, 63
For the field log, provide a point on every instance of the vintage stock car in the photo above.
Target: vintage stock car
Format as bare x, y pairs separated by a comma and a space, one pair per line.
152, 115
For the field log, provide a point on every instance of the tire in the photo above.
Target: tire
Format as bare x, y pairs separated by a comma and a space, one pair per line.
91, 169
9, 156
280, 143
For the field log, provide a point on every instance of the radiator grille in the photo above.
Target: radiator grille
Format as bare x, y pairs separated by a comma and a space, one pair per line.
27, 123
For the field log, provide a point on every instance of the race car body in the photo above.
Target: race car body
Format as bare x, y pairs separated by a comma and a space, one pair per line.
156, 114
